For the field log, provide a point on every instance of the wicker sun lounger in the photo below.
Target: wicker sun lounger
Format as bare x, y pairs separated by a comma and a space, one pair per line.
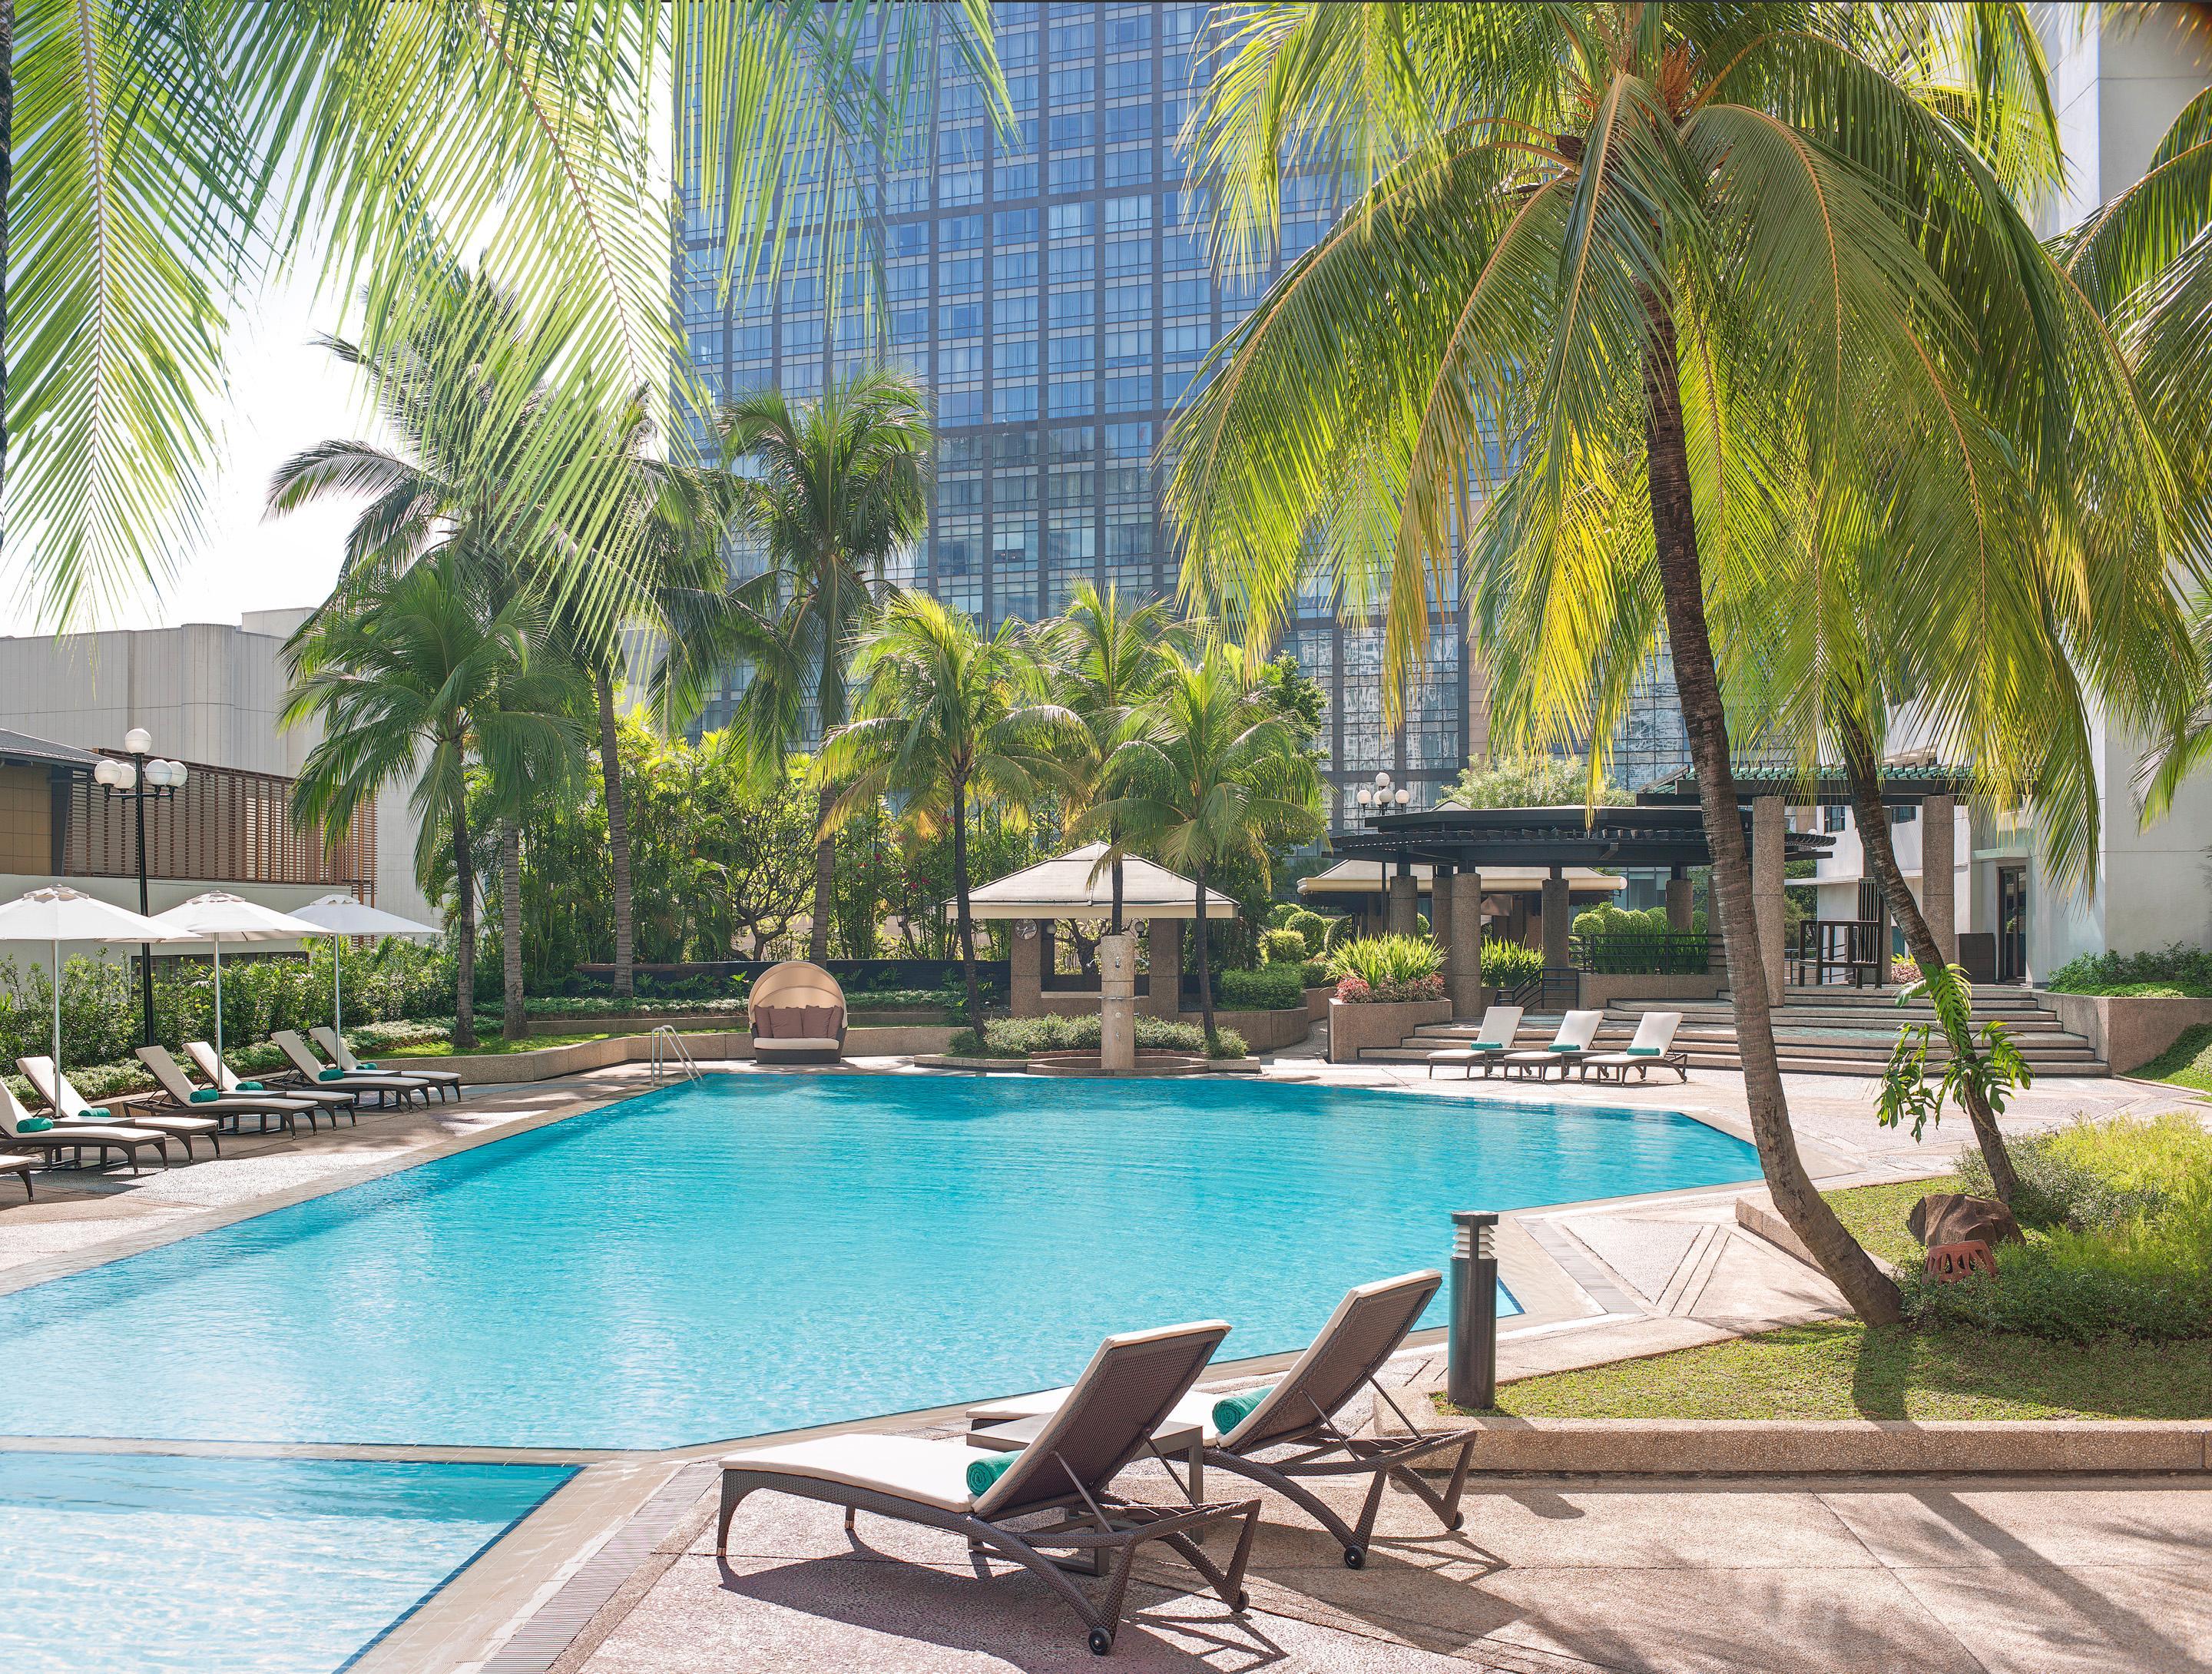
1576, 1032
21, 1168
312, 1070
75, 1137
1492, 1042
69, 1109
227, 1107
1654, 1045
1294, 1420
220, 1076
447, 1081
1133, 1382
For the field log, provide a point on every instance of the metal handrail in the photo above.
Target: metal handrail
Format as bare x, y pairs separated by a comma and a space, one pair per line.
670, 1052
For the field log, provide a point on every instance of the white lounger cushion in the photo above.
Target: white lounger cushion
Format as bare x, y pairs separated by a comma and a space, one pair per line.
796, 1044
934, 1472
1195, 1407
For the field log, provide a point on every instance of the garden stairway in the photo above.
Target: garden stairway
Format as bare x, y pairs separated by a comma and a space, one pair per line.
1831, 1031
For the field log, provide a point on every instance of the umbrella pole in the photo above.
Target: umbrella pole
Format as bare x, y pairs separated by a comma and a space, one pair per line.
217, 940
338, 959
57, 1007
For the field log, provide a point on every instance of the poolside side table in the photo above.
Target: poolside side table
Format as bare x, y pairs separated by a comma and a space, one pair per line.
1176, 1436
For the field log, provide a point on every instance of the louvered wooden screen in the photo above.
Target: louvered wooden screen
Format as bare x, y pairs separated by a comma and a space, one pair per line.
226, 825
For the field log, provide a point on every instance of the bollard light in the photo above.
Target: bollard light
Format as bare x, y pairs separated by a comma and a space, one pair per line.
1471, 1353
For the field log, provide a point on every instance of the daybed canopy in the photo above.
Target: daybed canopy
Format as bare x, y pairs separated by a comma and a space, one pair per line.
1063, 887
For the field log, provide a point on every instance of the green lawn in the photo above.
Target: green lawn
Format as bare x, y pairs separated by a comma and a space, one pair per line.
2187, 1063
492, 1043
1846, 1369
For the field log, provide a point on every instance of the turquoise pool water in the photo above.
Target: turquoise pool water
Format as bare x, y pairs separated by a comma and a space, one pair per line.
116, 1563
754, 1253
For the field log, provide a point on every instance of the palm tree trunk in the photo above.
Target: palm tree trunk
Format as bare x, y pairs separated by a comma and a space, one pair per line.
465, 960
1869, 1291
960, 893
617, 841
1205, 968
825, 879
7, 191
1115, 837
1881, 855
513, 1023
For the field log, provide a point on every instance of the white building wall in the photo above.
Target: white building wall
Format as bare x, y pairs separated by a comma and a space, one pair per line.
208, 692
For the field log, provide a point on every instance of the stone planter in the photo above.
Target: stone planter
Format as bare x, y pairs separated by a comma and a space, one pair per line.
1353, 1028
2128, 1031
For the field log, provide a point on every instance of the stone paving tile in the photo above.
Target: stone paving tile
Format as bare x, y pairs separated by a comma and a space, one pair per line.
1953, 1526
1644, 1252
2093, 1619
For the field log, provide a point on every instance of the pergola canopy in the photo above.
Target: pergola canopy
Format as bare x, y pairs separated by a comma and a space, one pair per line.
1905, 784
1503, 839
1371, 877
1063, 887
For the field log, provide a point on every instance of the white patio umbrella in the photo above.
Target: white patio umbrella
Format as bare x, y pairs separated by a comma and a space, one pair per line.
219, 916
58, 914
343, 916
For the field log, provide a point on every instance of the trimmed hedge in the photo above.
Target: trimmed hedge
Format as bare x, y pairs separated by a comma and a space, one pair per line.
1271, 987
1019, 1037
2176, 971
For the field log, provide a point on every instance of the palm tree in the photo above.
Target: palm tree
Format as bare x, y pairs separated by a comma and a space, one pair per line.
950, 723
1104, 658
837, 486
422, 675
1620, 273
1209, 774
162, 160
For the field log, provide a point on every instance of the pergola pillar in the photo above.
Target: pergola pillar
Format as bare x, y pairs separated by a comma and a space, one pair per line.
1463, 951
1440, 914
1678, 900
1558, 920
1027, 958
1163, 942
1939, 883
1405, 900
1767, 832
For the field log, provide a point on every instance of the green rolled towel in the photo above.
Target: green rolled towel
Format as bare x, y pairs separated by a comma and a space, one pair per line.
1642, 1051
1561, 1046
330, 1075
34, 1124
363, 1063
981, 1473
1230, 1410
204, 1095
249, 1087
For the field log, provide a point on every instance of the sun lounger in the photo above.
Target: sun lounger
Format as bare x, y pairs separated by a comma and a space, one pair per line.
229, 1106
1492, 1042
219, 1073
313, 1071
1131, 1385
1654, 1045
75, 1137
447, 1081
21, 1168
1294, 1420
1576, 1032
68, 1107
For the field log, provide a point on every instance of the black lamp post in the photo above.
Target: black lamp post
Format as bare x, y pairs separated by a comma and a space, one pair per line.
145, 777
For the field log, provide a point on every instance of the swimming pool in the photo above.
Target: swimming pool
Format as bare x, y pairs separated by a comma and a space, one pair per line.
752, 1253
132, 1561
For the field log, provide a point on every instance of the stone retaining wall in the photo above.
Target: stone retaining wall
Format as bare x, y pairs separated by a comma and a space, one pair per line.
1353, 1028
2127, 1030
543, 1063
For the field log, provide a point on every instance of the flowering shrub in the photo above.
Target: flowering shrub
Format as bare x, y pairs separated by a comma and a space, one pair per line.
1357, 990
1378, 969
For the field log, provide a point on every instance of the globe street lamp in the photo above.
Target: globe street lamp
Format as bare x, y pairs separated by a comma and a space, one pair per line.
145, 777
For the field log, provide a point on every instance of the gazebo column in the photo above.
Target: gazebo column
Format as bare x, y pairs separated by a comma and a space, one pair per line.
1559, 921
1464, 948
1767, 892
1163, 940
1027, 952
1440, 915
1939, 883
1405, 899
1679, 907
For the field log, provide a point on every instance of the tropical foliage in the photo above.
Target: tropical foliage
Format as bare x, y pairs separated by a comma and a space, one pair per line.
1387, 968
1534, 781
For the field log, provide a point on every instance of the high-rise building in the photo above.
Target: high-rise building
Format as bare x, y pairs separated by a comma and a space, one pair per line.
1054, 289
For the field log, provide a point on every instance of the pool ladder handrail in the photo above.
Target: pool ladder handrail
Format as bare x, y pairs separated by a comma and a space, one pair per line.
669, 1052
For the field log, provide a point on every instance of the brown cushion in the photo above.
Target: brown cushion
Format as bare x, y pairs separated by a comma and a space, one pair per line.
819, 1020
765, 1021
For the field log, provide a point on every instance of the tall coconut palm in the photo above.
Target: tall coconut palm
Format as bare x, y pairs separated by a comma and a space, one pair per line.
164, 160
834, 488
1104, 658
1209, 774
1617, 273
950, 721
426, 675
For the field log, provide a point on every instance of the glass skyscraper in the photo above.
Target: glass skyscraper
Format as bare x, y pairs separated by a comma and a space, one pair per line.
1053, 289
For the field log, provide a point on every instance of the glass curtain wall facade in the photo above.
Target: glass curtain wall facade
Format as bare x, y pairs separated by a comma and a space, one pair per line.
1053, 290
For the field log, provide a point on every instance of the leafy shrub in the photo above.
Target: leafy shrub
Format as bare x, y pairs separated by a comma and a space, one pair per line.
1314, 927
1509, 964
1020, 1037
1387, 968
1279, 916
2185, 971
1283, 946
1271, 987
2121, 1214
